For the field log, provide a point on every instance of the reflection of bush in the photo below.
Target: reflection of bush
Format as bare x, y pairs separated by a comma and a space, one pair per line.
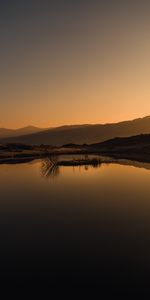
50, 167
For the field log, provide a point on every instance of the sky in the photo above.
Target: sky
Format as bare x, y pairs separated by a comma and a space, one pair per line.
73, 61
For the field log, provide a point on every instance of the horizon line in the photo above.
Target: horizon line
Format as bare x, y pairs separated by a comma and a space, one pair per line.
74, 124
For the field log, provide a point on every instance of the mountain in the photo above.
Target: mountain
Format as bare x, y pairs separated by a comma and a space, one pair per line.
83, 134
134, 142
133, 148
7, 133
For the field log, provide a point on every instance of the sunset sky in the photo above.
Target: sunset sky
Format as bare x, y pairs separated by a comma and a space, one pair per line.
73, 61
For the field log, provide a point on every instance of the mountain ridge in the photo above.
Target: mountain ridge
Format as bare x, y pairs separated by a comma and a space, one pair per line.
7, 132
83, 134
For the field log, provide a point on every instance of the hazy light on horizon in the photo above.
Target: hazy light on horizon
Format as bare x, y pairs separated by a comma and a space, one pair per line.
69, 62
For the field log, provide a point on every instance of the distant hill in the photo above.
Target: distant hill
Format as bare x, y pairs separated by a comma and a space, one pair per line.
136, 142
134, 147
6, 133
83, 134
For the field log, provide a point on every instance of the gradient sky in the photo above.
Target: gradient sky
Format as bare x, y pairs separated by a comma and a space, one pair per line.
73, 61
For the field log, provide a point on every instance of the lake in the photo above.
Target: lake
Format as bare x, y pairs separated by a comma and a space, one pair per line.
82, 226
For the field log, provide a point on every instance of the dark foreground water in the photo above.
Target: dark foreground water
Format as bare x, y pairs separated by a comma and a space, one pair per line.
76, 226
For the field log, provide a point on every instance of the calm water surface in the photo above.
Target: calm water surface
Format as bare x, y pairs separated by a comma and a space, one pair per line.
82, 226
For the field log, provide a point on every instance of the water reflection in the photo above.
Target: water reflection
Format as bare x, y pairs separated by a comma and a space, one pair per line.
51, 165
91, 227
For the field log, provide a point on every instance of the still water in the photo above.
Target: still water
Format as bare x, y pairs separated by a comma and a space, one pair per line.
79, 225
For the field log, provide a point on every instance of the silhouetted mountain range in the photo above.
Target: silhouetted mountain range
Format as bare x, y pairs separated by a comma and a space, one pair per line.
7, 133
137, 142
82, 134
134, 147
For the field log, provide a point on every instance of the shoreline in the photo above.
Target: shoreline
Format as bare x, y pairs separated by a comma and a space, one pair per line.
16, 158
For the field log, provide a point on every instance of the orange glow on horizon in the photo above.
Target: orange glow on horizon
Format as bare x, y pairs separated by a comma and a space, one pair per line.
86, 68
